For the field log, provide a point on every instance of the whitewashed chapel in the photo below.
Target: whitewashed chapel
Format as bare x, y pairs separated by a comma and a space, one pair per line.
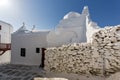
28, 46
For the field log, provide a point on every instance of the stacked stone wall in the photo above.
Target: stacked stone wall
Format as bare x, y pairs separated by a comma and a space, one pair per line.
100, 57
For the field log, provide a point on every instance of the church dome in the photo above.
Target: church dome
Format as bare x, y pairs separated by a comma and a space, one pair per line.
71, 15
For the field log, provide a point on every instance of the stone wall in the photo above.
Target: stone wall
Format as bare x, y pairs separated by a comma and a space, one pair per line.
100, 57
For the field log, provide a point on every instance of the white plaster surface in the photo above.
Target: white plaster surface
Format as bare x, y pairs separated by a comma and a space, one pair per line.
73, 28
30, 41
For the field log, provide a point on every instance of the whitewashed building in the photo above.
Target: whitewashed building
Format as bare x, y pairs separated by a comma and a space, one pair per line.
73, 28
27, 46
5, 40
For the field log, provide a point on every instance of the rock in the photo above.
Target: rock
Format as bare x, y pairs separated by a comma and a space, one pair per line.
100, 57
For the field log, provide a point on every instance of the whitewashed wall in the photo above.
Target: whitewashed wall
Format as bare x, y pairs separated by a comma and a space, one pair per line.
100, 57
5, 32
30, 41
71, 29
66, 36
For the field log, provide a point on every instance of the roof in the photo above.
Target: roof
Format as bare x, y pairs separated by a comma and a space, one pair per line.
5, 23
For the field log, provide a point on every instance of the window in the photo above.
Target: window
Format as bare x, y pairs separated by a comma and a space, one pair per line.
23, 52
0, 27
37, 50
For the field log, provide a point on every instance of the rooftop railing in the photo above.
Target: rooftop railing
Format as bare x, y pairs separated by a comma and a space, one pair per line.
4, 47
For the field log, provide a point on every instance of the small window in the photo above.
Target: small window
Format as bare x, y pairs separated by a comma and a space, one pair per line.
0, 27
23, 52
37, 50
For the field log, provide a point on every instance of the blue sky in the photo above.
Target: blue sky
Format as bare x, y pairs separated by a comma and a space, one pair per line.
46, 14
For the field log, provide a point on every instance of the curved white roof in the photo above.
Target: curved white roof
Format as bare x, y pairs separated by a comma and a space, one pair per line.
71, 15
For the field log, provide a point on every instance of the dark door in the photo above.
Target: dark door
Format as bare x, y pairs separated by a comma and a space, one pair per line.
43, 57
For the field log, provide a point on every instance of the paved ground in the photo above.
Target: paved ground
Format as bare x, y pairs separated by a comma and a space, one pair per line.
22, 72
19, 72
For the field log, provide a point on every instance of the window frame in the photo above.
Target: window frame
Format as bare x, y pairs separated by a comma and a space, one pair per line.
23, 52
37, 50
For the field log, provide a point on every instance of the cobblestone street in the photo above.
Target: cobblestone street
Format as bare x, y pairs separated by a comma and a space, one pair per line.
19, 72
22, 72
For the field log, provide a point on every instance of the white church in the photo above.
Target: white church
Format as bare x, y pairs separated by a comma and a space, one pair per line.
27, 47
